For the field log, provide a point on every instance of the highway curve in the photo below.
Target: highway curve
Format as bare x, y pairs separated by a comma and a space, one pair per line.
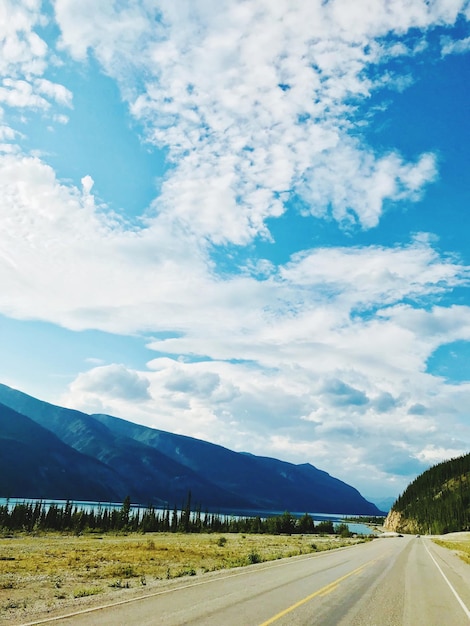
400, 581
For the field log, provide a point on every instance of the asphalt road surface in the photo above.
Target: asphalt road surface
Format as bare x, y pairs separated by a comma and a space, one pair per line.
400, 581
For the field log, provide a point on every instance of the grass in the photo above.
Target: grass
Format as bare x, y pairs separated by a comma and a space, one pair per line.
84, 592
460, 546
40, 574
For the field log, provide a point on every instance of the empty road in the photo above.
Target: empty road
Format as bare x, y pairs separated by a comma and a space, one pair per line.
396, 581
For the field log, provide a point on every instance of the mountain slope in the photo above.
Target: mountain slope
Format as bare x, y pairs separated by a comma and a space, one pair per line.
34, 463
437, 501
270, 483
145, 473
159, 467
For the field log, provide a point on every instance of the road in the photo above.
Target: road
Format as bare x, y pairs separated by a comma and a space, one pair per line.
400, 581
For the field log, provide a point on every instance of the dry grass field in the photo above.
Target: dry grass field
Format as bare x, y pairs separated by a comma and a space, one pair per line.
459, 543
45, 573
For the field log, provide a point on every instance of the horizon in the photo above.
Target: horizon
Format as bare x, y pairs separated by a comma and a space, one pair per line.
243, 223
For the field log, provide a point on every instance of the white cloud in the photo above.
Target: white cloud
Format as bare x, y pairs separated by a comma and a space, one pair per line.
340, 394
256, 102
87, 184
23, 52
202, 385
432, 454
7, 133
20, 94
356, 184
450, 46
51, 232
113, 381
56, 92
103, 26
24, 59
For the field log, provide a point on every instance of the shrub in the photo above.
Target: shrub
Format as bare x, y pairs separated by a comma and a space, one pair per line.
86, 591
254, 557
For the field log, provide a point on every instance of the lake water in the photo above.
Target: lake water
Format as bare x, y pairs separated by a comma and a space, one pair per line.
354, 527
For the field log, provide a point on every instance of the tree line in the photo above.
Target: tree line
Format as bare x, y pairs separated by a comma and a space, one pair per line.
68, 517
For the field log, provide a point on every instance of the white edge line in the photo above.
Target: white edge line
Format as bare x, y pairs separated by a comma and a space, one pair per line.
459, 599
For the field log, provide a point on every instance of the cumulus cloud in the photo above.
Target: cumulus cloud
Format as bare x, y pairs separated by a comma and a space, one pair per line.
24, 60
432, 454
87, 184
354, 183
20, 94
52, 232
342, 394
55, 91
417, 409
183, 382
23, 51
450, 46
384, 402
115, 381
255, 103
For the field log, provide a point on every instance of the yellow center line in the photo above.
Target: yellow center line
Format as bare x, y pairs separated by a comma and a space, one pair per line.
329, 589
321, 592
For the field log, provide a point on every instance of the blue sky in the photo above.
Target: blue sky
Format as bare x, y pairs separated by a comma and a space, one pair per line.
243, 221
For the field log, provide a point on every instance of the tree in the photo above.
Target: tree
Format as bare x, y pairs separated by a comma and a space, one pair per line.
186, 514
325, 526
125, 511
343, 530
306, 524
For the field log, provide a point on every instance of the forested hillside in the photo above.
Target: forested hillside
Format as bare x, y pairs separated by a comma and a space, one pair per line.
436, 502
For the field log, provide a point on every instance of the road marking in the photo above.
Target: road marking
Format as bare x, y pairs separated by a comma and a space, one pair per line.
459, 599
321, 592
329, 590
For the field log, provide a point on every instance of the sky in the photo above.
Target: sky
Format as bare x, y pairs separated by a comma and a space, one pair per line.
244, 221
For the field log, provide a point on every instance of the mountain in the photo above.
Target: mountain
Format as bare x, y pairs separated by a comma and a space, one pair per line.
34, 463
383, 503
270, 483
158, 467
436, 502
146, 474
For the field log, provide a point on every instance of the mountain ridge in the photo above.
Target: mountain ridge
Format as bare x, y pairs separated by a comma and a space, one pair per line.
160, 468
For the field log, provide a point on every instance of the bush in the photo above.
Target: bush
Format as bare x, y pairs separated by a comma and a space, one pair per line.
254, 557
